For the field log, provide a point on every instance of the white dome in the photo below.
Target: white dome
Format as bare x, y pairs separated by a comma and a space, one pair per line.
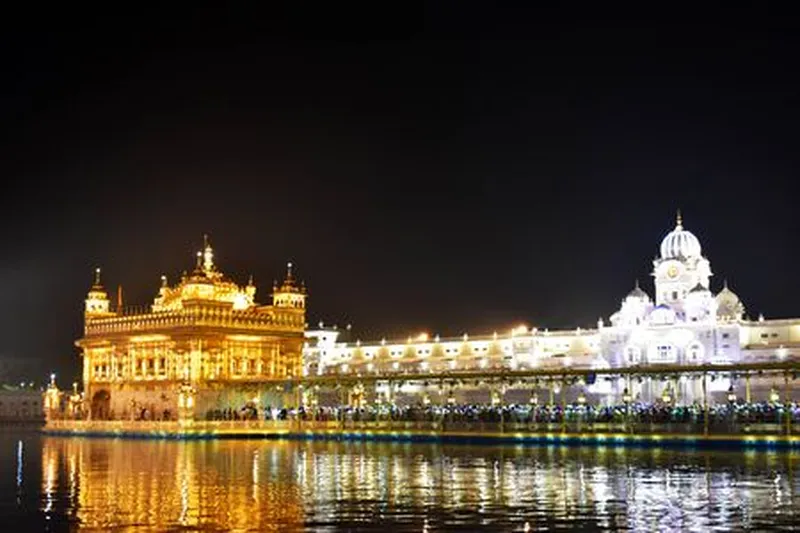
680, 243
638, 294
728, 304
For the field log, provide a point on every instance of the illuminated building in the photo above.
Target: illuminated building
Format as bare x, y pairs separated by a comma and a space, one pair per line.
683, 323
204, 343
20, 404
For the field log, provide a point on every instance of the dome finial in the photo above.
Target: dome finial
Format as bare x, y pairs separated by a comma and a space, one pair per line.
97, 276
725, 284
679, 220
636, 284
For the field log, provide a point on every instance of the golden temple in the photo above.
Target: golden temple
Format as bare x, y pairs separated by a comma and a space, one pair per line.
203, 344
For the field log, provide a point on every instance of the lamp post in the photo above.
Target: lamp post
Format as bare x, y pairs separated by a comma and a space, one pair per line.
51, 399
774, 396
534, 401
626, 399
186, 395
731, 395
75, 401
666, 396
582, 404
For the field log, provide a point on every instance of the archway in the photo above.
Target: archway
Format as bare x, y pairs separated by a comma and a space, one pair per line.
101, 405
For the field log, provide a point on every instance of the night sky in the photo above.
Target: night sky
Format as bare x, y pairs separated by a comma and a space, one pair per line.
439, 169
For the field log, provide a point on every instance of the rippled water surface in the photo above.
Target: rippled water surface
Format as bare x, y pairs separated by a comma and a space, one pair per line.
63, 484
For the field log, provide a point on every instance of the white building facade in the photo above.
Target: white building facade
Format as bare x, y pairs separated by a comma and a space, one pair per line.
683, 323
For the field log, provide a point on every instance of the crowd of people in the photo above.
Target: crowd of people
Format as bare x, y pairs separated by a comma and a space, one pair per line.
633, 413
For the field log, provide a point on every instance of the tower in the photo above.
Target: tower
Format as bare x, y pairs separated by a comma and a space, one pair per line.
97, 303
680, 268
289, 294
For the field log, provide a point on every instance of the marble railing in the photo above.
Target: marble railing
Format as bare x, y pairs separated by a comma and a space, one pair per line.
153, 322
255, 427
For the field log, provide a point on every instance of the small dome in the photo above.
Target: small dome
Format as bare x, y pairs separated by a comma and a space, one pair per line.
680, 243
699, 289
638, 293
728, 303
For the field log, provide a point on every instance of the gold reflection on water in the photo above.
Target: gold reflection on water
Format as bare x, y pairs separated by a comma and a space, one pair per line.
270, 486
164, 484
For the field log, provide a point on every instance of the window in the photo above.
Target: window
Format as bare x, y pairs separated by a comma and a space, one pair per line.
774, 335
674, 295
726, 335
764, 335
664, 352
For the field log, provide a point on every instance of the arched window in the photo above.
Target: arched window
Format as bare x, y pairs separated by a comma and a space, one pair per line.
633, 355
695, 352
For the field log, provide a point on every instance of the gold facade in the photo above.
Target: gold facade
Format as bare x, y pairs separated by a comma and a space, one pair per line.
206, 334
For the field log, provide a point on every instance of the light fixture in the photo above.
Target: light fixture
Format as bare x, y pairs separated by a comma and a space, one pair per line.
626, 396
666, 397
774, 396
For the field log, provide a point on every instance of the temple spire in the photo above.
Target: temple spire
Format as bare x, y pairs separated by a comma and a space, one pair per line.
678, 220
97, 277
208, 255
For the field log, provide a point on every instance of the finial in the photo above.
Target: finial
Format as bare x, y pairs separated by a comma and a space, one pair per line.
97, 276
289, 270
636, 285
679, 220
199, 264
208, 255
250, 280
163, 280
725, 284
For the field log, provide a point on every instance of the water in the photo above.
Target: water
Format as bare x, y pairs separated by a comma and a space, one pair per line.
71, 484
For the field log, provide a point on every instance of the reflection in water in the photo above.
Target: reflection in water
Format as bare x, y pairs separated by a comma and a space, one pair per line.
294, 486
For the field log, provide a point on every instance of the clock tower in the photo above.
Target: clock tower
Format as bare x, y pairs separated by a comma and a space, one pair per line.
680, 268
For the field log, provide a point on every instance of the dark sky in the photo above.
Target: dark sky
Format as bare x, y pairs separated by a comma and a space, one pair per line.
441, 168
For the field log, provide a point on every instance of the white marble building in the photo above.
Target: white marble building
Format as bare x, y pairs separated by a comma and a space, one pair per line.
683, 322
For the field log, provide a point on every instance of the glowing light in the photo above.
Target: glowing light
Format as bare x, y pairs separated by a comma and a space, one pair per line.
774, 396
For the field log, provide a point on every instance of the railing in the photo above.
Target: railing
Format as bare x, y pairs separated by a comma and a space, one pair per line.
256, 427
152, 322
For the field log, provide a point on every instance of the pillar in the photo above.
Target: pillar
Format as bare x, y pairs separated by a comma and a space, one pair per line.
747, 388
787, 402
705, 405
564, 404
